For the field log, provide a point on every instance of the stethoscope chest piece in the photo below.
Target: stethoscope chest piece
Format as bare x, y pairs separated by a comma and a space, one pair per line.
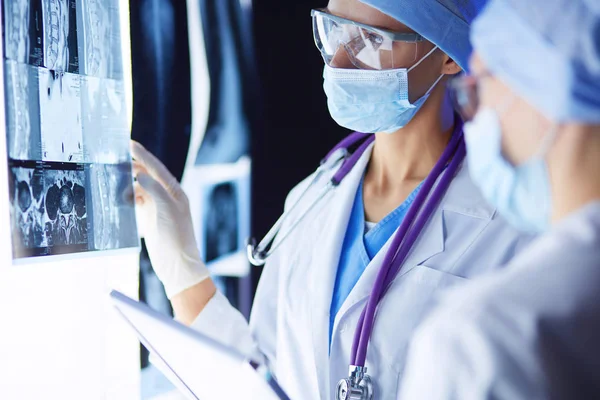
357, 386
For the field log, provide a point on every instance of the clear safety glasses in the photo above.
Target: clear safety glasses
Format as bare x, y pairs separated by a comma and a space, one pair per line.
465, 92
341, 40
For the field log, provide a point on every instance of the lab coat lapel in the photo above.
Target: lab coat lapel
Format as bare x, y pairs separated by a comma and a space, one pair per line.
329, 225
428, 245
460, 198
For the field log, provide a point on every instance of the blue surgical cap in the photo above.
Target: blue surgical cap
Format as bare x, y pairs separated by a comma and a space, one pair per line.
442, 22
547, 51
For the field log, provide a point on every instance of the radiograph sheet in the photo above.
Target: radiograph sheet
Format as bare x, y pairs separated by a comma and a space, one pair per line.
22, 110
42, 33
60, 109
104, 120
49, 208
16, 30
67, 129
99, 38
113, 211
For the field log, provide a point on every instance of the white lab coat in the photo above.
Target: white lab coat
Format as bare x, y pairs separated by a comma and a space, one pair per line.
530, 331
289, 327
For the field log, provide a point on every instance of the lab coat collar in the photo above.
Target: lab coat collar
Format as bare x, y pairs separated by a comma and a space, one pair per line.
329, 222
463, 198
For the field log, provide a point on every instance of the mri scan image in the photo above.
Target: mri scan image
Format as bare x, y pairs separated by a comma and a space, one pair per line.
113, 210
48, 208
22, 111
66, 222
221, 230
60, 35
104, 121
42, 33
100, 38
70, 182
60, 114
27, 207
16, 30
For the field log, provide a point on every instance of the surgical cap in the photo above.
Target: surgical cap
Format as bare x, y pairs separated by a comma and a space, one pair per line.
442, 22
547, 51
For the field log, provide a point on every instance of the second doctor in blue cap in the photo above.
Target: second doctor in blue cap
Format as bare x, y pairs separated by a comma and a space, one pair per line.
532, 330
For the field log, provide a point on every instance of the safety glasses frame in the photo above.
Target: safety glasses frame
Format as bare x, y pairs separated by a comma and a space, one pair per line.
397, 36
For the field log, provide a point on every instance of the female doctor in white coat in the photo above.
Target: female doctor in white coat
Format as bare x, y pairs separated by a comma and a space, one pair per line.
387, 66
531, 330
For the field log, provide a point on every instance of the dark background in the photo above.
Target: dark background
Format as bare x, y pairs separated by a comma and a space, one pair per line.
297, 128
291, 129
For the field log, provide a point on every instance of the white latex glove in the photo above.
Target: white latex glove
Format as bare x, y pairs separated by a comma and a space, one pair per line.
165, 223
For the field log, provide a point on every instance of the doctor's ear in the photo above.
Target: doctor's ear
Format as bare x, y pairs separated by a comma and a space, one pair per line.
449, 66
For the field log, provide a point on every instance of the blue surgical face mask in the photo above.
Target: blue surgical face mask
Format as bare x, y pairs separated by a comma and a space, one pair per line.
371, 101
520, 193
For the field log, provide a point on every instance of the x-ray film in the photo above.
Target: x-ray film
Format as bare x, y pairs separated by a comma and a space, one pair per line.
112, 207
17, 43
70, 183
42, 33
219, 200
99, 38
104, 120
48, 208
22, 111
60, 112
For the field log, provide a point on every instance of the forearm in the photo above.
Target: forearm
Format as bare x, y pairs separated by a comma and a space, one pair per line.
188, 304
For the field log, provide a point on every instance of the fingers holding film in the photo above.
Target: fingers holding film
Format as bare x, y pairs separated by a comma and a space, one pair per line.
154, 167
153, 188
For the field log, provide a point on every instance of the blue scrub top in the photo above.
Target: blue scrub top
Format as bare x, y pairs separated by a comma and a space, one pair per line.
359, 248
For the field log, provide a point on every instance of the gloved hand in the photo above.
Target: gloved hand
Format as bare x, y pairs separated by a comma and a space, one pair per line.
165, 223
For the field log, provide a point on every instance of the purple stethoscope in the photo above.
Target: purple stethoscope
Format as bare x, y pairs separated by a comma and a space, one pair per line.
359, 385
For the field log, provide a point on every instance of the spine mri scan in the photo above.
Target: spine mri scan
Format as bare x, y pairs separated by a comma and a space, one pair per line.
67, 134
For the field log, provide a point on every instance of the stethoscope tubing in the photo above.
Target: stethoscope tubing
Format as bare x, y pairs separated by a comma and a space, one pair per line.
405, 238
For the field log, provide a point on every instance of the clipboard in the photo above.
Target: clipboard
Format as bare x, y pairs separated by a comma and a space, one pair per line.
202, 368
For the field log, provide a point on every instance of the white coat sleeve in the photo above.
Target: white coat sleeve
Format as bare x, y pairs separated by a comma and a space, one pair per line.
224, 323
471, 354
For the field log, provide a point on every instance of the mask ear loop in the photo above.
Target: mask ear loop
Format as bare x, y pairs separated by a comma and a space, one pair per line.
434, 84
423, 58
419, 62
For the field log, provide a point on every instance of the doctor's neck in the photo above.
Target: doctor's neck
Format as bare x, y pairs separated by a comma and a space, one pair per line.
411, 153
574, 165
